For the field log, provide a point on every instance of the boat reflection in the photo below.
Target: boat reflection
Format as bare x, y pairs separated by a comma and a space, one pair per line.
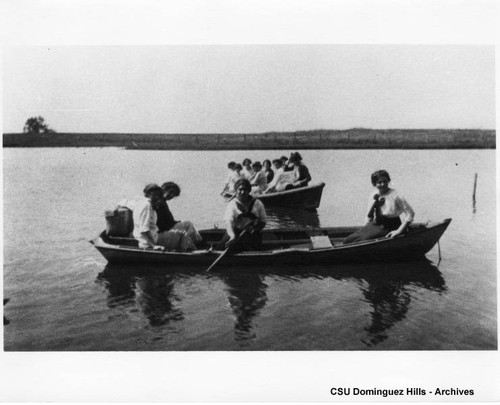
281, 217
246, 296
388, 288
147, 288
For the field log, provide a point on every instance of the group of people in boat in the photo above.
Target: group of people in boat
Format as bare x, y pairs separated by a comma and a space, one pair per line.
388, 215
154, 224
283, 174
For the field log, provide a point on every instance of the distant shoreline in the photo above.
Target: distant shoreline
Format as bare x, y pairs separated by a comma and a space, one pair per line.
357, 138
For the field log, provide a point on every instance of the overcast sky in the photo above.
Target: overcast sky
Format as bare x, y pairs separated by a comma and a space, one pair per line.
208, 89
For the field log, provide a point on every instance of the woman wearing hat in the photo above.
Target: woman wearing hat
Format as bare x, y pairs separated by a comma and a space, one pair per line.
301, 176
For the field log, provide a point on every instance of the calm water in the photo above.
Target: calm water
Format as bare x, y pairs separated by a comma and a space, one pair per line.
63, 296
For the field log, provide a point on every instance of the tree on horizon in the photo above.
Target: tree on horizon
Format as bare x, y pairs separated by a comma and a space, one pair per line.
36, 125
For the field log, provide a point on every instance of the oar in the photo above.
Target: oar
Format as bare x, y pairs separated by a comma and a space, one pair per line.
225, 251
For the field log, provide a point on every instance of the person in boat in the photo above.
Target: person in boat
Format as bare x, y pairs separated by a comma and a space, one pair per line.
389, 214
243, 214
229, 186
165, 219
238, 173
247, 169
258, 180
281, 178
286, 164
145, 223
268, 171
301, 176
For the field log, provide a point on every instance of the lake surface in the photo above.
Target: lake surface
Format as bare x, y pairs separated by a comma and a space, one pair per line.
64, 297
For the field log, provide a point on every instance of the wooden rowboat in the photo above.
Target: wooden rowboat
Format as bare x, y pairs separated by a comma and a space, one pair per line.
284, 246
308, 197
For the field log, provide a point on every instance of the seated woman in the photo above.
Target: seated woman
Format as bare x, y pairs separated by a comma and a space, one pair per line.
247, 171
268, 171
281, 178
166, 220
229, 186
245, 217
301, 176
385, 209
145, 219
258, 180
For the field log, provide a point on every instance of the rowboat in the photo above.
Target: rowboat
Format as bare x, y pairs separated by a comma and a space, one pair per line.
284, 246
308, 197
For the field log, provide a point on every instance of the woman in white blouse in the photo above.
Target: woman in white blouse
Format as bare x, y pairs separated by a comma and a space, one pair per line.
389, 214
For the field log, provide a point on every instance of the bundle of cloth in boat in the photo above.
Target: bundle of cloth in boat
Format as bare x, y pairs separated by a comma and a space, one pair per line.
137, 217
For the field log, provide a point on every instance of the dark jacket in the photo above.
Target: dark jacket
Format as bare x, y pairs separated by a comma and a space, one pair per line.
165, 220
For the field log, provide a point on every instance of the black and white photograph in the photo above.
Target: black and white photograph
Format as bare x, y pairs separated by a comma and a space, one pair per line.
191, 206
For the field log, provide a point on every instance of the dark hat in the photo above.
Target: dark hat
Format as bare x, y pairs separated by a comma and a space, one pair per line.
152, 187
295, 157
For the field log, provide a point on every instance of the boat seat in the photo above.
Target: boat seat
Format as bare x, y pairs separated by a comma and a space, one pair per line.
321, 242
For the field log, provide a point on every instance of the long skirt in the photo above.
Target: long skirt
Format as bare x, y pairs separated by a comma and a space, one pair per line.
188, 227
374, 231
176, 240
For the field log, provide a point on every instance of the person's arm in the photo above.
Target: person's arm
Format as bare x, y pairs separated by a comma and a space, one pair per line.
148, 236
408, 213
229, 220
260, 212
304, 176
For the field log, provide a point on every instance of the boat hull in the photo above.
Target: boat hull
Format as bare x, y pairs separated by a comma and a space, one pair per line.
304, 197
413, 245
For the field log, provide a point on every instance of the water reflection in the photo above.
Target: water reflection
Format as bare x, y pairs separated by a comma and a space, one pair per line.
157, 299
281, 217
388, 288
247, 296
151, 289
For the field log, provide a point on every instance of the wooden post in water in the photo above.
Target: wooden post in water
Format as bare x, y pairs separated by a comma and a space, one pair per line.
474, 194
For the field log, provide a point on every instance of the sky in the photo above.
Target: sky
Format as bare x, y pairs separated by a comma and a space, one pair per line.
248, 88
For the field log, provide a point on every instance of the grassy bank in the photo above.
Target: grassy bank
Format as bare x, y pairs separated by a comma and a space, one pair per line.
318, 139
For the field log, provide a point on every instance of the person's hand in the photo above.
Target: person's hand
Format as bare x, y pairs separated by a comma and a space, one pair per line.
392, 234
230, 243
158, 247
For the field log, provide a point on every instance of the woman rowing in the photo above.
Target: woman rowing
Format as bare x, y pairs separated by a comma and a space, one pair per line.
245, 217
386, 209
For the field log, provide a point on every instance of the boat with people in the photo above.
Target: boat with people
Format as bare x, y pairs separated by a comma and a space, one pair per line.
308, 197
307, 245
